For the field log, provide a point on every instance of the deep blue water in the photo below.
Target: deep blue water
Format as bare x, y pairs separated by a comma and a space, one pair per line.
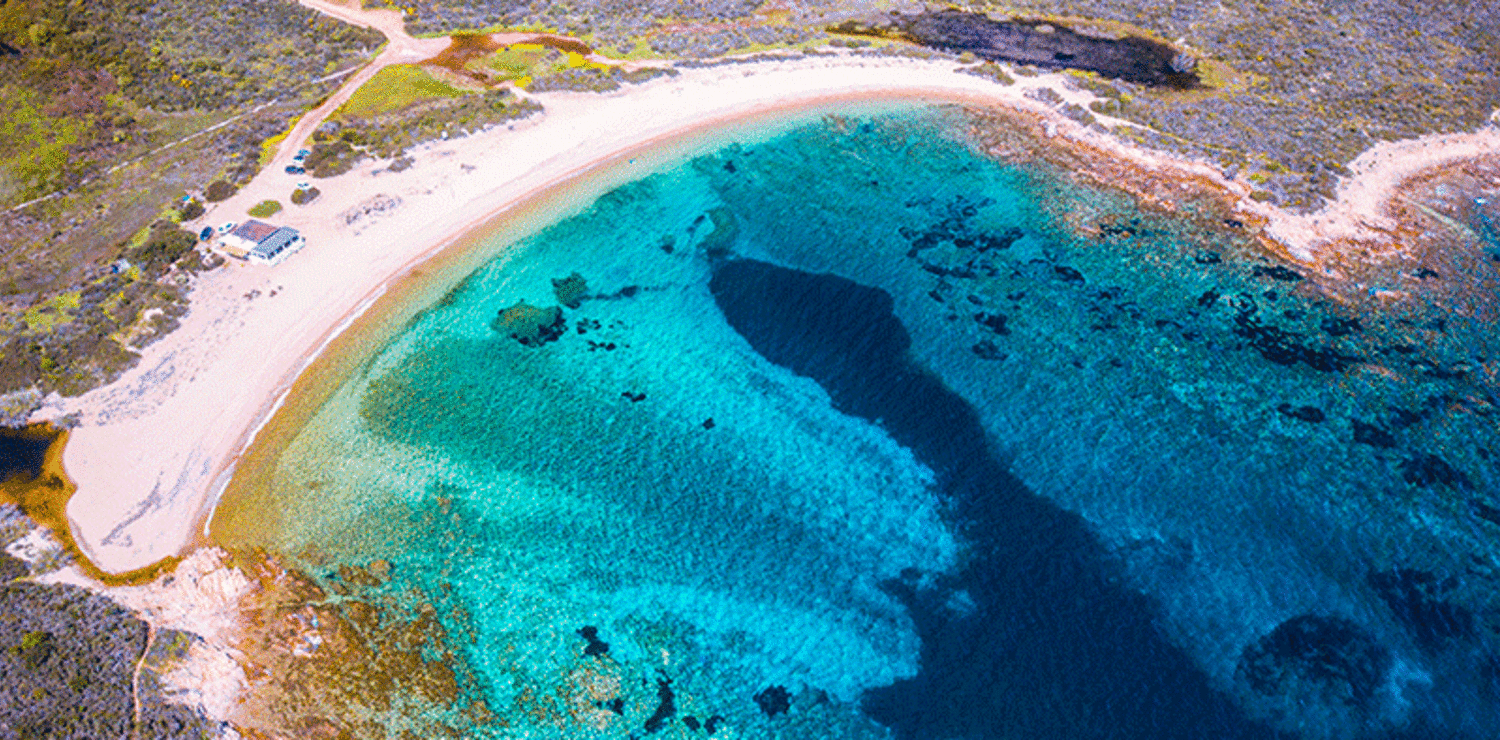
854, 432
1051, 625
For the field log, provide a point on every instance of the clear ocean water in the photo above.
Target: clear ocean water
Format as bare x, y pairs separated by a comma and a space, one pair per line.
857, 433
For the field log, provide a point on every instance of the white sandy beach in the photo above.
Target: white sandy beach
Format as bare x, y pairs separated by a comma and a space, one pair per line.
154, 449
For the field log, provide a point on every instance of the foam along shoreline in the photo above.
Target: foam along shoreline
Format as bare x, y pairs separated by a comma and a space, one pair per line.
154, 449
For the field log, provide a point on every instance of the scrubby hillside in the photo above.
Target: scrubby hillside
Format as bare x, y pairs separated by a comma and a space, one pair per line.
1297, 89
1293, 90
115, 110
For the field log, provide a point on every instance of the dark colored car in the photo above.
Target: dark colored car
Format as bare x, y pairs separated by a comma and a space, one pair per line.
207, 232
292, 169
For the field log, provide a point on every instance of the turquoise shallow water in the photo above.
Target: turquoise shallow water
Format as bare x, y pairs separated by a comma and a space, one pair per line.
929, 446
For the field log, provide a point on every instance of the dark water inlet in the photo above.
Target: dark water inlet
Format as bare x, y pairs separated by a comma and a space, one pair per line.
1052, 646
23, 451
1046, 45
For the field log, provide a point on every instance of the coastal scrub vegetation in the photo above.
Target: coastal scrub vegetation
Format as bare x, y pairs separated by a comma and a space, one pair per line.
69, 657
394, 88
302, 196
665, 28
95, 92
1289, 91
457, 93
413, 104
1293, 90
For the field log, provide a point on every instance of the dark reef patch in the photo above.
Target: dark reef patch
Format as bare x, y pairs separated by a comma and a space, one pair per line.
530, 325
1051, 629
712, 724
1336, 658
1425, 469
1485, 511
1285, 347
1277, 272
570, 290
1310, 414
1373, 435
1418, 599
774, 700
596, 647
666, 705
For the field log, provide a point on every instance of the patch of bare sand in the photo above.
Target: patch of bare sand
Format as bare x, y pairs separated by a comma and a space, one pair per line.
204, 595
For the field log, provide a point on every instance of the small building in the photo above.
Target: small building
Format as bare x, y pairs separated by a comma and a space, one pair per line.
261, 242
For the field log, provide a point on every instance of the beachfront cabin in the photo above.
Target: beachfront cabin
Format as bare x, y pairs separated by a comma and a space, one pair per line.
261, 242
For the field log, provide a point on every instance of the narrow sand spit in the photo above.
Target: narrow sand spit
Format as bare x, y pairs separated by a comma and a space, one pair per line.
155, 448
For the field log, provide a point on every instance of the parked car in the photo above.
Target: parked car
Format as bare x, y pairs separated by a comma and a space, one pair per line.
207, 232
226, 228
303, 152
292, 169
304, 186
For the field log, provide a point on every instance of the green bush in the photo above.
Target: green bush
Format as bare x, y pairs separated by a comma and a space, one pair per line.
265, 208
331, 158
163, 248
301, 197
190, 210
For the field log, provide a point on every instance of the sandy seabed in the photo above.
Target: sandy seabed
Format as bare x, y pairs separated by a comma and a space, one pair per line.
154, 450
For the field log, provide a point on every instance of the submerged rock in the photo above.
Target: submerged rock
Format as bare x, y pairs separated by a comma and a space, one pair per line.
774, 700
1310, 414
1426, 469
531, 325
570, 290
1327, 660
1419, 600
665, 708
596, 647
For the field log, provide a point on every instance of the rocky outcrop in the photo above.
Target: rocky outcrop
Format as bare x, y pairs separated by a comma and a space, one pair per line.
1316, 662
531, 325
570, 290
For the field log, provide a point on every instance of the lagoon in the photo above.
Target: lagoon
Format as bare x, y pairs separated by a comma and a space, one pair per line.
858, 432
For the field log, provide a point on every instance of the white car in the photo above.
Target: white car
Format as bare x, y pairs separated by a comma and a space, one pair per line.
304, 185
227, 227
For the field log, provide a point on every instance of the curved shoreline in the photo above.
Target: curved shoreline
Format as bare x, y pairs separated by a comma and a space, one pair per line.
155, 448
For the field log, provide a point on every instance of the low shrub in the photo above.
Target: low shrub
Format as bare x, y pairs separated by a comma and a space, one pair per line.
329, 159
219, 190
163, 248
190, 210
265, 208
303, 197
